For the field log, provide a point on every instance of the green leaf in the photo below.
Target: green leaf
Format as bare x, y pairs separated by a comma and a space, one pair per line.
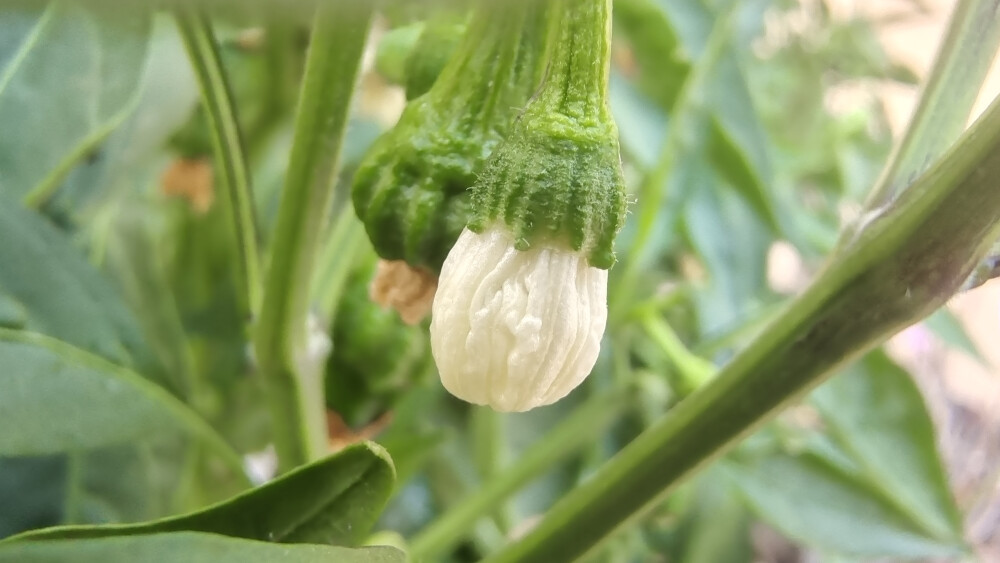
32, 491
824, 507
662, 63
878, 416
949, 329
123, 483
60, 398
50, 288
736, 264
188, 547
717, 527
738, 144
333, 501
963, 59
68, 76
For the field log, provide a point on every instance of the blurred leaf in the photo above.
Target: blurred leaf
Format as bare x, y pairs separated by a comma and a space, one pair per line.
412, 435
642, 126
877, 414
332, 501
60, 398
738, 145
56, 292
732, 243
963, 60
188, 547
716, 529
659, 58
69, 76
824, 507
32, 493
946, 326
132, 157
132, 258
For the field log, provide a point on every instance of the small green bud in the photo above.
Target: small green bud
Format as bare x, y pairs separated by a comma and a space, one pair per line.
375, 356
430, 55
412, 189
394, 51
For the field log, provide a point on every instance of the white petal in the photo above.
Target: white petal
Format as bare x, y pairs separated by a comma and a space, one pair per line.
516, 329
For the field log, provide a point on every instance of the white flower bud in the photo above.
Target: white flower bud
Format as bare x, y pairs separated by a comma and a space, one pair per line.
516, 329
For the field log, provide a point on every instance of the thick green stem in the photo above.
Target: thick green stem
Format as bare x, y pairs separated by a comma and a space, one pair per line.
896, 272
498, 62
577, 80
292, 375
217, 98
571, 435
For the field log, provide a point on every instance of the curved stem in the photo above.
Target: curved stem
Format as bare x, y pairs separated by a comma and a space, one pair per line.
896, 272
217, 97
292, 375
572, 434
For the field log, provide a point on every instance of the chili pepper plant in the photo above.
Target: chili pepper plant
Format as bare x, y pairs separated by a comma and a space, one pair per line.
457, 280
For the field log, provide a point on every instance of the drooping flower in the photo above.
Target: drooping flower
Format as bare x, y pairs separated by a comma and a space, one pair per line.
516, 329
521, 304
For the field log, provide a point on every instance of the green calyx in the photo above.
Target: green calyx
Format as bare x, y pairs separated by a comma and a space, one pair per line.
412, 189
557, 179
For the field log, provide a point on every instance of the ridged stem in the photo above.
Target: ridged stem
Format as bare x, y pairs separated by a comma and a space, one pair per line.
576, 84
498, 62
281, 340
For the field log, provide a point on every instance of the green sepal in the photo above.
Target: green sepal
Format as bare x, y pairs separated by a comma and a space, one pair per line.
556, 181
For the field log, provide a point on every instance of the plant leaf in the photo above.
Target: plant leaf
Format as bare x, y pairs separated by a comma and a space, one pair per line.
738, 144
878, 416
963, 60
823, 506
69, 74
59, 398
946, 326
332, 501
716, 527
51, 289
132, 156
32, 491
188, 547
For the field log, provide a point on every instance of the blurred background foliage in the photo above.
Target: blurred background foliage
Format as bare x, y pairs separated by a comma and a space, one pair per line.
748, 128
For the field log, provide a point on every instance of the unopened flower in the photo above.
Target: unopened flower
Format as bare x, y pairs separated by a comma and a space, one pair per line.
516, 329
521, 304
